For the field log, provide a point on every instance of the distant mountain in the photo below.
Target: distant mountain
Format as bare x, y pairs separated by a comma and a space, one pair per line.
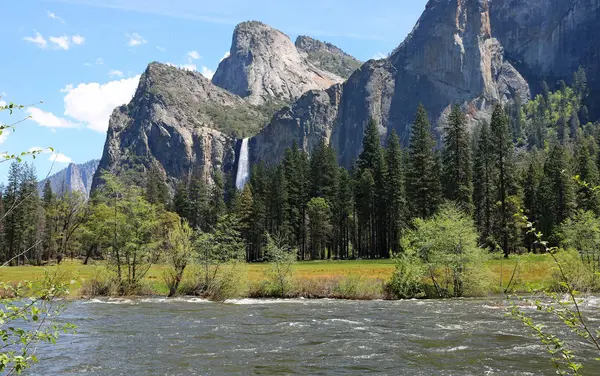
76, 177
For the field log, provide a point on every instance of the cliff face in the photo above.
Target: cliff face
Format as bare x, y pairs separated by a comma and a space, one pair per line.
449, 57
74, 178
466, 52
550, 39
171, 121
189, 126
264, 64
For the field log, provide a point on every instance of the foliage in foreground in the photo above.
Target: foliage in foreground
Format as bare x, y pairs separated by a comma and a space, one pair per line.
564, 305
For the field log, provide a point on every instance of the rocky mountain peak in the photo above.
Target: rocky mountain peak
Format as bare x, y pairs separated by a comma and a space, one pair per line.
264, 65
326, 56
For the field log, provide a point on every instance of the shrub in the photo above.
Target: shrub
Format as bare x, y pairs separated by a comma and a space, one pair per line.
444, 251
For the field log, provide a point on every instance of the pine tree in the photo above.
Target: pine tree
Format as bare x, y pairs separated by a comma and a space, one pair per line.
13, 213
245, 214
324, 172
587, 171
198, 204
457, 174
503, 155
371, 158
216, 206
181, 200
342, 213
423, 188
531, 200
156, 192
364, 193
319, 223
396, 192
259, 182
50, 233
557, 191
279, 222
32, 218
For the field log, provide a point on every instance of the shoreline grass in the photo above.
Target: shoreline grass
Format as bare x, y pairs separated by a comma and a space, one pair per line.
354, 279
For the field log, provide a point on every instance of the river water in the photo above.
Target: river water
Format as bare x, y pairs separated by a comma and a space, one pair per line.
308, 337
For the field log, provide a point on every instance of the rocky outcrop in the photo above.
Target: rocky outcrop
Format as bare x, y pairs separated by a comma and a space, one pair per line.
263, 64
550, 39
179, 120
449, 57
74, 178
327, 57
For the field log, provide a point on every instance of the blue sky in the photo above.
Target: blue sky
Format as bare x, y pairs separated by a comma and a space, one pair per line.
75, 60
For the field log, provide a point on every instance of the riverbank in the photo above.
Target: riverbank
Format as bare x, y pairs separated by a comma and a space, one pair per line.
352, 279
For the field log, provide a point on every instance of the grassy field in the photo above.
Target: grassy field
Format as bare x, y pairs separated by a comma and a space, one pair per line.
534, 271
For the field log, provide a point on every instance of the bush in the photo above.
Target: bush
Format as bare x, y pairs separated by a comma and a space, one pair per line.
103, 283
444, 251
580, 274
407, 280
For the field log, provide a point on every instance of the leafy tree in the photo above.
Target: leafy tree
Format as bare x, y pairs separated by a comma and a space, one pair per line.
446, 245
422, 183
132, 226
483, 192
581, 232
218, 253
457, 172
282, 259
178, 254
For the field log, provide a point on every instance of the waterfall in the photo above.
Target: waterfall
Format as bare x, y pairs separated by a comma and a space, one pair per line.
243, 168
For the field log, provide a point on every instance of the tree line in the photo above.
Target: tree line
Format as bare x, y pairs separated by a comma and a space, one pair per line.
522, 162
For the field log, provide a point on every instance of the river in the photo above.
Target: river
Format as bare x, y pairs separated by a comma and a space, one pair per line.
308, 337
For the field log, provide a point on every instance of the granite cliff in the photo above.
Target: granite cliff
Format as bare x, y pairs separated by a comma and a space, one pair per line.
73, 178
449, 57
475, 53
263, 64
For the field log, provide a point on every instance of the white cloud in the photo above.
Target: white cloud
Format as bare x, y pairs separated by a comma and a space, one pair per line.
62, 42
87, 64
67, 88
59, 158
161, 49
99, 61
225, 56
78, 39
207, 72
55, 17
48, 119
193, 55
38, 40
135, 40
4, 135
116, 73
190, 67
2, 103
93, 103
379, 56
